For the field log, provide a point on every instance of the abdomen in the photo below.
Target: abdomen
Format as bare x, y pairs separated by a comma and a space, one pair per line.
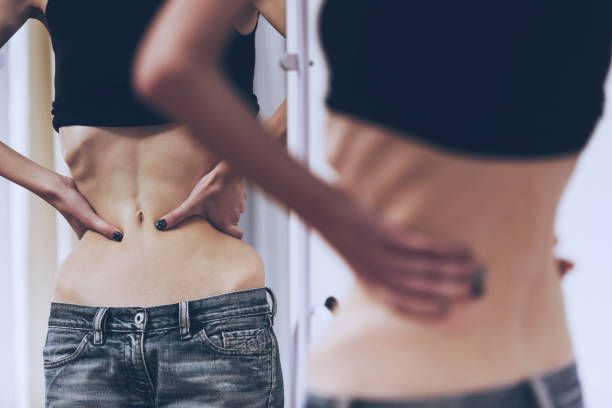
132, 177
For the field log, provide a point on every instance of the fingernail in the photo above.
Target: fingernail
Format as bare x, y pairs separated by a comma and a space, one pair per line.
117, 236
161, 224
478, 283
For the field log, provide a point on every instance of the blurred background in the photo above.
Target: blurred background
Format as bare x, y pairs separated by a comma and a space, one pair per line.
36, 240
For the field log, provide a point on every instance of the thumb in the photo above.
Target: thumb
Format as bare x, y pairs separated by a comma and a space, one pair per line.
234, 230
97, 224
175, 217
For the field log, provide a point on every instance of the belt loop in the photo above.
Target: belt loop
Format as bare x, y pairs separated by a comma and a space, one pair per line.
541, 393
184, 320
273, 305
99, 325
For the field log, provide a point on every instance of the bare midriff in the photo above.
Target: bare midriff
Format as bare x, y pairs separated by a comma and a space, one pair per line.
132, 177
504, 210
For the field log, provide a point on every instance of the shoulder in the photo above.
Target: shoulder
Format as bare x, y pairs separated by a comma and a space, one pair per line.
17, 11
247, 21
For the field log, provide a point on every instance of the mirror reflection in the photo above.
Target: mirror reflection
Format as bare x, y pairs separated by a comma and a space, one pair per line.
132, 245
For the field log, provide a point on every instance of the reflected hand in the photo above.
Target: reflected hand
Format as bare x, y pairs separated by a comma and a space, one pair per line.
410, 271
78, 212
220, 197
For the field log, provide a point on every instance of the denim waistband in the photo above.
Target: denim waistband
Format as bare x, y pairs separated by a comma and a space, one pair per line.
556, 388
178, 315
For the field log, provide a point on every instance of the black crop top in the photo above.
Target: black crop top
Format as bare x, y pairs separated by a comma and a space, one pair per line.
518, 78
95, 43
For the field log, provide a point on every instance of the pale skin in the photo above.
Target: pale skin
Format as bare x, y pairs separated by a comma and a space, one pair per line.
504, 210
123, 180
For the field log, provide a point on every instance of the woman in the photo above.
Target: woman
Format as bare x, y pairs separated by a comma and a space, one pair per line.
464, 120
159, 304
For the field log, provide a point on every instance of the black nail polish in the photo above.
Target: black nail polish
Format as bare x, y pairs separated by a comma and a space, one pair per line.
161, 224
478, 283
117, 236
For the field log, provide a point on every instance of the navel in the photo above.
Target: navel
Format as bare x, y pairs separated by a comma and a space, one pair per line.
140, 217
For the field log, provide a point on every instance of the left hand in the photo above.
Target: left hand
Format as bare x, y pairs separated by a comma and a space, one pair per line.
220, 197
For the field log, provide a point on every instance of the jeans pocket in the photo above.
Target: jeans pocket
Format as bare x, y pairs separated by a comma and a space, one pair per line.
248, 335
63, 346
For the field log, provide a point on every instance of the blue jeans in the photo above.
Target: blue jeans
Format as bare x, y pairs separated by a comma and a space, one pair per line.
559, 389
219, 351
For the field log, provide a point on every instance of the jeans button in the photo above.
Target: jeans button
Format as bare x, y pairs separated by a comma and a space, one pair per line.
139, 318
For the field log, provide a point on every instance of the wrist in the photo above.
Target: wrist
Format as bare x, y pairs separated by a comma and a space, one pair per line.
225, 172
54, 190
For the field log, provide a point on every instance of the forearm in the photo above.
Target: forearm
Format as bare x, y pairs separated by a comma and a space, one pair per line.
274, 12
23, 171
276, 125
276, 129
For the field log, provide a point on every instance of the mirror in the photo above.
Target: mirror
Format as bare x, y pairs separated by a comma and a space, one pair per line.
133, 167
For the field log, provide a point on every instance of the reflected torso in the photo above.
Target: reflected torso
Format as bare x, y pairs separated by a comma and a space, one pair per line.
132, 177
505, 211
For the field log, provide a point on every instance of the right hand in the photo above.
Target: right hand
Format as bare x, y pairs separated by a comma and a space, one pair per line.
78, 212
410, 271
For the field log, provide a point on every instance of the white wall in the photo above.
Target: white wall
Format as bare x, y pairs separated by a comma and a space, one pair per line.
584, 229
6, 297
330, 274
265, 224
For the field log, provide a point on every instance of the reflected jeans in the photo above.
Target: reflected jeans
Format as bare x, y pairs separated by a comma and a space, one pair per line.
219, 351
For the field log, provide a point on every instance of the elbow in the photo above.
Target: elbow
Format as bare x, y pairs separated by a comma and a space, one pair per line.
154, 75
161, 78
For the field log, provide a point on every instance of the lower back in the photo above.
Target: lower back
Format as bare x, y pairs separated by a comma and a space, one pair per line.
504, 211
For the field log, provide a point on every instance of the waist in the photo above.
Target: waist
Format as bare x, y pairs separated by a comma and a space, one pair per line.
504, 210
495, 341
152, 267
250, 302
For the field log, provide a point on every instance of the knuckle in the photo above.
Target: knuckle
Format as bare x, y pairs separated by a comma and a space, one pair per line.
452, 291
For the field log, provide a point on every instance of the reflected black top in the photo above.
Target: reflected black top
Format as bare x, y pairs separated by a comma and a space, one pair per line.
513, 78
94, 44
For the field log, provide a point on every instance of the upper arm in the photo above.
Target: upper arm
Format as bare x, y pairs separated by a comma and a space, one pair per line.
274, 12
13, 14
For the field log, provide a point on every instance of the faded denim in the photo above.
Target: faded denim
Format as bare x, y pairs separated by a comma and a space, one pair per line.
559, 389
219, 351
